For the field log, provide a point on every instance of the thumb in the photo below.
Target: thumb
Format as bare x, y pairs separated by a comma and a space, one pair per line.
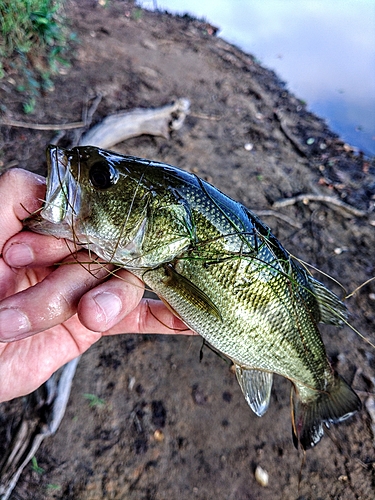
21, 193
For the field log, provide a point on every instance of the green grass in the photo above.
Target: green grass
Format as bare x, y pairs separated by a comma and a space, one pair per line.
94, 401
33, 43
35, 467
53, 487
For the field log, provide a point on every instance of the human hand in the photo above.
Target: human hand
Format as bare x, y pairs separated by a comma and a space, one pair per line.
51, 314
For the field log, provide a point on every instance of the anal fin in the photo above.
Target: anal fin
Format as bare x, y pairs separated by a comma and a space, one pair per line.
256, 387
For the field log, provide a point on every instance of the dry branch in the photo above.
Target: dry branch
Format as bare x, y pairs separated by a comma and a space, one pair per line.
42, 126
330, 200
277, 215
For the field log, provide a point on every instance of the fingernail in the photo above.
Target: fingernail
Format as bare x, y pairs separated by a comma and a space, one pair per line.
109, 306
19, 255
14, 325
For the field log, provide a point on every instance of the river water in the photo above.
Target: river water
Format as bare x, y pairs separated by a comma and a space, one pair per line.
323, 49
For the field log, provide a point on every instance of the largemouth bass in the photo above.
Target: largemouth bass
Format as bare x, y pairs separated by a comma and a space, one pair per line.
215, 264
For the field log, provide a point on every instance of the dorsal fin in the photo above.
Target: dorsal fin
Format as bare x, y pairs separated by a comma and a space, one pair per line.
256, 386
332, 310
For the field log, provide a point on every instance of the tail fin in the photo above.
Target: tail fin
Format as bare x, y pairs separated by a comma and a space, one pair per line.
336, 404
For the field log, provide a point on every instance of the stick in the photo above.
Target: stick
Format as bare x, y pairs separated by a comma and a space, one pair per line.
285, 218
40, 126
305, 198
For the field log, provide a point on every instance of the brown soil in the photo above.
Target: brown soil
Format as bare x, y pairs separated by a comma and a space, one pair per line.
173, 427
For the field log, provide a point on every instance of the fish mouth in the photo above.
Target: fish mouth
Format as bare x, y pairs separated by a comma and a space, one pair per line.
62, 201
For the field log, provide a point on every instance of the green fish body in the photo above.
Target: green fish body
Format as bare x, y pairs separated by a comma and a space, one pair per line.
215, 264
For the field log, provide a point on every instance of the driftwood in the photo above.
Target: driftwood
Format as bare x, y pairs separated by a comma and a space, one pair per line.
126, 124
45, 407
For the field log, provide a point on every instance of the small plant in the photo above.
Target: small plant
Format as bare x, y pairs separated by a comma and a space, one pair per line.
137, 14
35, 466
33, 41
53, 487
29, 106
94, 400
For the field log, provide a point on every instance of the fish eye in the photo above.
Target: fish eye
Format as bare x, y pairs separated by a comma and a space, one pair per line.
102, 175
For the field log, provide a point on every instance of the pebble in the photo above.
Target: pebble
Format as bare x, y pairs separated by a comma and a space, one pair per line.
261, 476
158, 436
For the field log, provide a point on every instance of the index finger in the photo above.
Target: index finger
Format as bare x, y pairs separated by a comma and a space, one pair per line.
21, 193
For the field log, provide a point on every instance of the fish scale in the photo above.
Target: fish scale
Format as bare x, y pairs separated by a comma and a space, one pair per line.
215, 264
237, 334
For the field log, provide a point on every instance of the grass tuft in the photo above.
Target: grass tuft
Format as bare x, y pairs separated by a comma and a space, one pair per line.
34, 39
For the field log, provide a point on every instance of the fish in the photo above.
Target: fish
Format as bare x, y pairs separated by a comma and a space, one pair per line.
215, 264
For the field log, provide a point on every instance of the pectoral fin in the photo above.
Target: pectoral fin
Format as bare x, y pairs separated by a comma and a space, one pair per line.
256, 386
190, 291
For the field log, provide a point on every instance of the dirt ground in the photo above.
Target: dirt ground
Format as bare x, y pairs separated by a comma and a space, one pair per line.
170, 426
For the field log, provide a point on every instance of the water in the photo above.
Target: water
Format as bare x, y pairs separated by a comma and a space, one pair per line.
324, 51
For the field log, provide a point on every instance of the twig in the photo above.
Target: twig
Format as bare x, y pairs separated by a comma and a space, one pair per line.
89, 112
285, 218
87, 115
285, 130
206, 117
42, 126
305, 198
